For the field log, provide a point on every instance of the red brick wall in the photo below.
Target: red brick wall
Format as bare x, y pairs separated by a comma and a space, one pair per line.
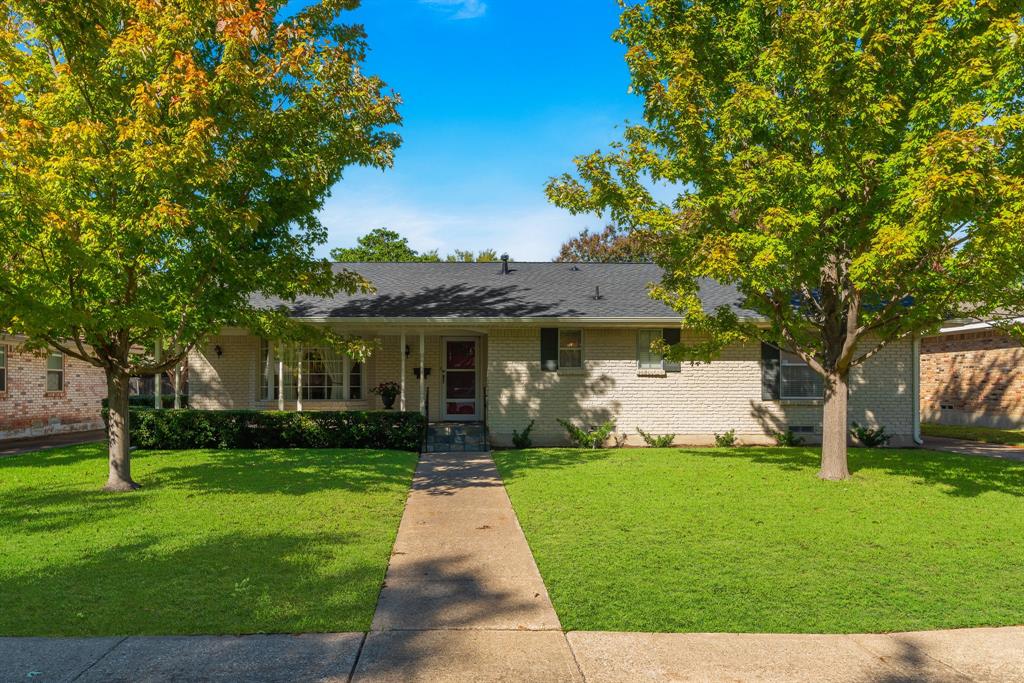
26, 409
973, 378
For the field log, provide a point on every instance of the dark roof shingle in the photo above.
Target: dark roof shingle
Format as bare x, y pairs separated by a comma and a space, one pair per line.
481, 290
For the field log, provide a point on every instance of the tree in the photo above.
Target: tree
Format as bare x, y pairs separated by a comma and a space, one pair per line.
387, 246
161, 163
856, 170
378, 246
611, 245
468, 256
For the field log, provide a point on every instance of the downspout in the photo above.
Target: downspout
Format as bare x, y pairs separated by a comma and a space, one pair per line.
916, 353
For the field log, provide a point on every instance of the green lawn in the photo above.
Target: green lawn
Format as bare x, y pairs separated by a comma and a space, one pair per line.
748, 539
215, 542
1010, 437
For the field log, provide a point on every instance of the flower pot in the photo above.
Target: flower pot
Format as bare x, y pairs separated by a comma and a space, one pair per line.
389, 402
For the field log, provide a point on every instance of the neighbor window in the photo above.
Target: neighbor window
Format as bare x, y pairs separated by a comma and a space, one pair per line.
55, 372
799, 380
3, 368
326, 374
570, 348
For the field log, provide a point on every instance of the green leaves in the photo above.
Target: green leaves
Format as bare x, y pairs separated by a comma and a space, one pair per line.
161, 162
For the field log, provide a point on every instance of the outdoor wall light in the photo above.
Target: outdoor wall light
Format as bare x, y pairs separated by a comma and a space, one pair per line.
218, 350
408, 351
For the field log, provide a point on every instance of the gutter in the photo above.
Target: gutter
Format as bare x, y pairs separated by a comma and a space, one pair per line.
579, 321
916, 388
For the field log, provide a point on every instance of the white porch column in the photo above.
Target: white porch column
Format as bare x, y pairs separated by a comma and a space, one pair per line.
177, 381
298, 381
280, 376
269, 372
158, 354
401, 354
423, 386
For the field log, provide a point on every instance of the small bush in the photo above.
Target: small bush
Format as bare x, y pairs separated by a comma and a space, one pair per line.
253, 429
870, 438
595, 437
787, 438
523, 440
727, 440
657, 441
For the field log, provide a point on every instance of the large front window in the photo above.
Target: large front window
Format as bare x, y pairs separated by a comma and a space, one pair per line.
799, 380
326, 374
3, 368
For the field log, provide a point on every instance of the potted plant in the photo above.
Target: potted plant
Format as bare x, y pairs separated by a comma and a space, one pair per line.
388, 393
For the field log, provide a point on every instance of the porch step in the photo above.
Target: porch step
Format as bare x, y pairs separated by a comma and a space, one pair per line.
456, 437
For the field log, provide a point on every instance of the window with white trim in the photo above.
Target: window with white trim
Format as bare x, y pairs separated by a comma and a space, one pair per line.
55, 372
646, 359
799, 380
3, 368
326, 374
570, 348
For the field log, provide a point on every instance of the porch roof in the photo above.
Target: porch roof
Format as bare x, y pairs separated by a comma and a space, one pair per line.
472, 291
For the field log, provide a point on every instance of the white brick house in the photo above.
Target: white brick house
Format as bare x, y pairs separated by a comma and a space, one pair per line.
540, 342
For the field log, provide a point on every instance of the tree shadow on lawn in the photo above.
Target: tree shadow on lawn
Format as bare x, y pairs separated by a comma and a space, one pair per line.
226, 584
287, 471
59, 502
958, 475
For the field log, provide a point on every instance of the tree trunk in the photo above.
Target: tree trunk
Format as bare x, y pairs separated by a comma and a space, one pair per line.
833, 434
119, 456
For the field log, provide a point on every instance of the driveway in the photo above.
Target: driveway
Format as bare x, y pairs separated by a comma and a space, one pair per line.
989, 450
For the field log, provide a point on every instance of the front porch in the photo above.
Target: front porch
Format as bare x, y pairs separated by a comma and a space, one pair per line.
440, 371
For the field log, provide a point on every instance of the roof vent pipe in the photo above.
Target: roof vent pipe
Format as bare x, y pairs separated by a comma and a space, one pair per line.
504, 264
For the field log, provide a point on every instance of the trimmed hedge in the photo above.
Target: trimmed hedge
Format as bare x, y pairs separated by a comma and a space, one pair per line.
252, 429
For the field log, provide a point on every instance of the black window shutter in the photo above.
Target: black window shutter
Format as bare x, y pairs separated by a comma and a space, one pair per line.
672, 336
549, 349
771, 372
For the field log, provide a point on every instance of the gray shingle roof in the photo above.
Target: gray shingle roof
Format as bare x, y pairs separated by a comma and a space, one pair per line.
480, 290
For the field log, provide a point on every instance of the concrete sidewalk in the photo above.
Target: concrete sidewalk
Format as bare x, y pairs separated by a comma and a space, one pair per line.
988, 450
463, 599
39, 443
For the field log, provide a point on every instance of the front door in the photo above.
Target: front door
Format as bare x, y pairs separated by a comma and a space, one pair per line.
459, 377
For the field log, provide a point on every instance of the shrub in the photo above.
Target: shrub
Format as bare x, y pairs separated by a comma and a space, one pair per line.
657, 441
592, 438
727, 440
870, 438
787, 438
253, 429
523, 440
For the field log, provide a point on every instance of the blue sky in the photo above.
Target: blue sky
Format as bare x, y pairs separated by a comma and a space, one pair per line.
499, 96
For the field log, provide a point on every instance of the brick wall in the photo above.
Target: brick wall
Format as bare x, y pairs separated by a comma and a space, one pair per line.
27, 409
694, 404
973, 378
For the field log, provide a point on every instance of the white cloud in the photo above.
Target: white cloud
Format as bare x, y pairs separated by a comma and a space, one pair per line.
460, 9
527, 233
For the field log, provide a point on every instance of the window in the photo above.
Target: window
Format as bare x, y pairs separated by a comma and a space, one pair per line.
3, 368
326, 374
651, 360
55, 372
798, 379
645, 357
570, 348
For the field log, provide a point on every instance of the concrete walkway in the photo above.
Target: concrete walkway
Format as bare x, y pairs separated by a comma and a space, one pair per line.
989, 450
463, 599
38, 443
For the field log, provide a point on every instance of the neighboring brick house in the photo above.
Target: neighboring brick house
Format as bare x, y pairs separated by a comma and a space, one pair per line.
47, 393
972, 375
542, 341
